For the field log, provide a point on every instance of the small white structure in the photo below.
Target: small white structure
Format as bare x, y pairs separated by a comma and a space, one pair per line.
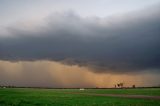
81, 89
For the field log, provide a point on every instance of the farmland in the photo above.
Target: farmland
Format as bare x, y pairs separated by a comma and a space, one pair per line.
75, 97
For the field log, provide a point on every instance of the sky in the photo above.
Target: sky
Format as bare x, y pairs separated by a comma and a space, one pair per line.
79, 43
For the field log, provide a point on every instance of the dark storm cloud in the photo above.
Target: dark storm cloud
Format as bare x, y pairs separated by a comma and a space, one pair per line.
123, 43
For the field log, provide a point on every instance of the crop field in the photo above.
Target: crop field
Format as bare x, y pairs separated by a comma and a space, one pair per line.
76, 97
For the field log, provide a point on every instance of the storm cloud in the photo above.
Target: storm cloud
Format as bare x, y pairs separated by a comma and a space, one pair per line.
121, 43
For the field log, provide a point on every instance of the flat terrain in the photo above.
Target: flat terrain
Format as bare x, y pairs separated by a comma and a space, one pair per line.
75, 97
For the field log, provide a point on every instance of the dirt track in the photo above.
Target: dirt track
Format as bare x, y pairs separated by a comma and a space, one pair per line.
120, 95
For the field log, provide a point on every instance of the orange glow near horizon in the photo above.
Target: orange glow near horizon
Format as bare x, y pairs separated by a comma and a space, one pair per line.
54, 74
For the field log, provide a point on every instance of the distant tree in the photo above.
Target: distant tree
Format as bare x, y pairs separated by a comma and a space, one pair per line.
133, 86
120, 85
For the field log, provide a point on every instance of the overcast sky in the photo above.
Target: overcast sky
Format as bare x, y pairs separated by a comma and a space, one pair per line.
117, 37
15, 10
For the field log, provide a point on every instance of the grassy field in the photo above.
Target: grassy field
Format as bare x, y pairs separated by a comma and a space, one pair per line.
140, 91
60, 97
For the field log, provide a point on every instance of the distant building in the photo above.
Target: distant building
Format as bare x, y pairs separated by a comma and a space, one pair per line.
81, 89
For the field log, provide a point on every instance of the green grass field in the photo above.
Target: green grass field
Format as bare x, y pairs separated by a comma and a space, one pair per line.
63, 97
144, 91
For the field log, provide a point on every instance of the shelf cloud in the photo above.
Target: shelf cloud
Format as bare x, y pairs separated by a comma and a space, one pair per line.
119, 44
